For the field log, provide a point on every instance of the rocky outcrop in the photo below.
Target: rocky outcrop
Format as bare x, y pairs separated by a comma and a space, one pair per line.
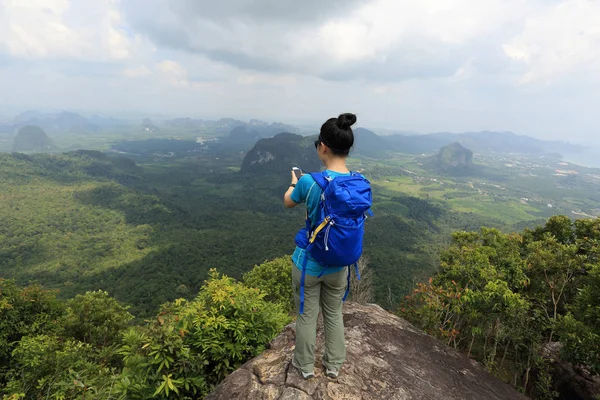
454, 155
280, 153
575, 382
148, 126
571, 382
387, 358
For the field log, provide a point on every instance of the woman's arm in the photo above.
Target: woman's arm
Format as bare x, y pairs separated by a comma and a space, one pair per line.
287, 197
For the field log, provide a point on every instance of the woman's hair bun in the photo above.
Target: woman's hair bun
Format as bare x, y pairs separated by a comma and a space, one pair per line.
345, 121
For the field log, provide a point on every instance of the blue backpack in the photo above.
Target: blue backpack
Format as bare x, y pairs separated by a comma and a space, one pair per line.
337, 239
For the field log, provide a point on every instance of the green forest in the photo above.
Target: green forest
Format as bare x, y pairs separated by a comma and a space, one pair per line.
150, 233
157, 278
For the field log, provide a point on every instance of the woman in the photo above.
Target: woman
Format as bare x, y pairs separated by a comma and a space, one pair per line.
324, 287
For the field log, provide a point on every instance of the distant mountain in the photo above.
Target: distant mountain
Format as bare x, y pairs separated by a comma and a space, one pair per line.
280, 153
63, 122
148, 126
105, 122
32, 138
480, 142
27, 116
243, 134
267, 130
225, 123
368, 143
259, 129
416, 144
453, 157
228, 126
243, 137
158, 147
69, 120
184, 124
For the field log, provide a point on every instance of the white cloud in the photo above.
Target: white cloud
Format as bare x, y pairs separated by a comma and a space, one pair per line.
562, 39
64, 29
258, 78
384, 26
140, 72
173, 73
422, 65
167, 71
386, 40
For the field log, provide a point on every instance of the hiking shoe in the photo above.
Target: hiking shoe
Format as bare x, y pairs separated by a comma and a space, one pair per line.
331, 373
305, 375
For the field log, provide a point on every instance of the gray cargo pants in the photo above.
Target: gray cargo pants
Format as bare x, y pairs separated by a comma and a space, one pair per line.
326, 293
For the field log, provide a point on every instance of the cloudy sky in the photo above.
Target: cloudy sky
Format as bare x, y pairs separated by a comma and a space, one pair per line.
529, 66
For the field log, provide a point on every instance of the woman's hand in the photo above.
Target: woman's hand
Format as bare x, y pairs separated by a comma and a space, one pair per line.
294, 179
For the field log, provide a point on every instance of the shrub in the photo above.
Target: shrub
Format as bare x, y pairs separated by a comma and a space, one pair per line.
95, 318
274, 278
192, 345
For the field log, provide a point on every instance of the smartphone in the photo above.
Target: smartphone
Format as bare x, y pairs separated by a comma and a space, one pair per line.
297, 171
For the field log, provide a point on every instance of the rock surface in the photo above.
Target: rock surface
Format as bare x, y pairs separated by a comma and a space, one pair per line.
387, 358
571, 382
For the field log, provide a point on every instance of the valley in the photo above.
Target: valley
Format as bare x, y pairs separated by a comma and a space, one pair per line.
145, 215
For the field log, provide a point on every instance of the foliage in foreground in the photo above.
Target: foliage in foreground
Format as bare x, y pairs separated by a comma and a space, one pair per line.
87, 347
502, 297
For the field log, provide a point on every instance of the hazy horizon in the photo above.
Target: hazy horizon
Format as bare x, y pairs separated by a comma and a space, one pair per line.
526, 66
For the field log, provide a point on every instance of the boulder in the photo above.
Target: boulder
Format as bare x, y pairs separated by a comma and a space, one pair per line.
571, 382
387, 358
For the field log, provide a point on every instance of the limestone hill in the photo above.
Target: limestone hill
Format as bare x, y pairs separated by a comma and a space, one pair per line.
148, 126
280, 153
32, 138
453, 158
386, 359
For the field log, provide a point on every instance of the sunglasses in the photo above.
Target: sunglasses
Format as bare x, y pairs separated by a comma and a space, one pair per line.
317, 143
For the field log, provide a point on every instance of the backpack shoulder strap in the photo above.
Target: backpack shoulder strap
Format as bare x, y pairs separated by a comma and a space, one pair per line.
321, 178
359, 175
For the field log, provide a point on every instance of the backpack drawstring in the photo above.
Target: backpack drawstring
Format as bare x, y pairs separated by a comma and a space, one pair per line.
327, 235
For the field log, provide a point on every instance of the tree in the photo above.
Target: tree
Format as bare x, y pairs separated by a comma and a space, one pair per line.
552, 269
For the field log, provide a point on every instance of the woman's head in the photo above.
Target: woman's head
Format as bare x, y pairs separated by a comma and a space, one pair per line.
337, 135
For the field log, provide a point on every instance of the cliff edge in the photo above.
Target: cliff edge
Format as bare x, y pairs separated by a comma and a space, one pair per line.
387, 358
